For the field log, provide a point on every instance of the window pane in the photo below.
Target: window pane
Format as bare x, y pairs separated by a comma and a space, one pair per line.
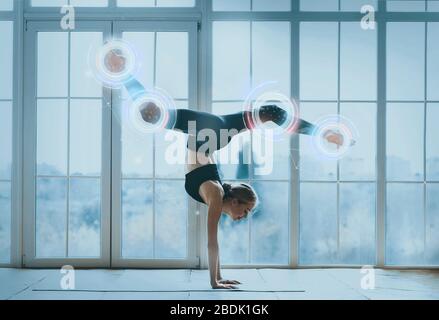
175, 3
358, 58
173, 63
5, 140
167, 163
156, 3
85, 218
136, 162
171, 214
318, 223
271, 54
271, 159
5, 222
88, 3
405, 141
360, 162
170, 152
231, 60
82, 82
312, 165
135, 3
270, 224
231, 5
318, 60
356, 5
405, 5
52, 141
7, 5
270, 5
405, 224
432, 144
433, 61
405, 60
52, 64
137, 219
432, 225
6, 64
319, 5
144, 45
85, 137
51, 218
233, 239
433, 5
48, 3
76, 3
357, 223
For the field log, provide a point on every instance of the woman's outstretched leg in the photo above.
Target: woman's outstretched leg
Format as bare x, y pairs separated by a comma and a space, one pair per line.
233, 123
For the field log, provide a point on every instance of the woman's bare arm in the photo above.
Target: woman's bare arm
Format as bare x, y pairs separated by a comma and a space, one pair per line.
213, 196
218, 270
214, 214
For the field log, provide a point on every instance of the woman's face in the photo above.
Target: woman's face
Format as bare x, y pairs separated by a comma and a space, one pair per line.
239, 210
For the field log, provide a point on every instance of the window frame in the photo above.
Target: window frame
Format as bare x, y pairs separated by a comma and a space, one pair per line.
16, 17
30, 174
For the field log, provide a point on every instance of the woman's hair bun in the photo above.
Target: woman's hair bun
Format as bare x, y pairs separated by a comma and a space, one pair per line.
227, 189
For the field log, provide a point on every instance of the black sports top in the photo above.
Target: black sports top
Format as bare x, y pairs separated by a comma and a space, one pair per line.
197, 177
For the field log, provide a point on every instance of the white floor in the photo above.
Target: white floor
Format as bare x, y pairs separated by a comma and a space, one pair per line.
263, 284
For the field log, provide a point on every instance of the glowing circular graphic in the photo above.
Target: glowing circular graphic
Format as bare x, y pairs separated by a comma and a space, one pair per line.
152, 112
334, 136
113, 63
270, 113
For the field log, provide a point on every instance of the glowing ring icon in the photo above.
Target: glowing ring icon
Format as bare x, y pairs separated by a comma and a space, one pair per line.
264, 95
156, 99
99, 63
335, 124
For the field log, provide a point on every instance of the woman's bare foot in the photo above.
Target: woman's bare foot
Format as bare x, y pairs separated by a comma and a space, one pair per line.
334, 137
150, 112
115, 61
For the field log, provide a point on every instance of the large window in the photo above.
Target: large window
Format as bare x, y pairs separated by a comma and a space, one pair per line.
6, 129
338, 76
247, 55
154, 208
6, 116
412, 154
68, 155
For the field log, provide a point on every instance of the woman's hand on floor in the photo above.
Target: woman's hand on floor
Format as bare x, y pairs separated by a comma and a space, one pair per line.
221, 281
219, 285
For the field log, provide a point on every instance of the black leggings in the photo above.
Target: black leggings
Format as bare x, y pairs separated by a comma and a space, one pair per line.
224, 127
